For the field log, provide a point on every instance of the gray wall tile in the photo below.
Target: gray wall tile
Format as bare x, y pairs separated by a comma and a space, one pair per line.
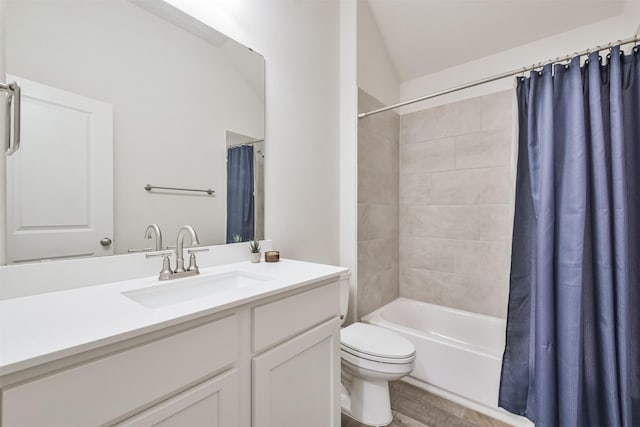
417, 127
455, 199
483, 261
375, 151
458, 118
415, 188
427, 253
483, 149
496, 222
498, 110
470, 187
436, 155
376, 186
448, 222
378, 207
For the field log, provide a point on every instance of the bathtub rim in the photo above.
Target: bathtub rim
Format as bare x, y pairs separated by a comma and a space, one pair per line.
375, 318
441, 307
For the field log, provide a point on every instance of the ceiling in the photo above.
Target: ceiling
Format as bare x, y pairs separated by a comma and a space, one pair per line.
426, 36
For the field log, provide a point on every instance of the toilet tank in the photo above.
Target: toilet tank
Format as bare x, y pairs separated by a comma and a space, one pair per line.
344, 295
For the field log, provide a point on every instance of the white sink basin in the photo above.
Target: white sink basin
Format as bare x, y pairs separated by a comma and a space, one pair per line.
181, 290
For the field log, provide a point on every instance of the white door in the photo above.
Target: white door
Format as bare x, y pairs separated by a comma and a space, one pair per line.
60, 182
298, 383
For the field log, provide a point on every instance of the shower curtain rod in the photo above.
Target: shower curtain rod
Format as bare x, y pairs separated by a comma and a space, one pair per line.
501, 76
245, 143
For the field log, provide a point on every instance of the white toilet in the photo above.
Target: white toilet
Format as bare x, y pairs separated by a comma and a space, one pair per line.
371, 356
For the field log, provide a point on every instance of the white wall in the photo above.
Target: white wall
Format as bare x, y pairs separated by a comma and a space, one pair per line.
376, 73
171, 93
3, 211
580, 38
631, 16
349, 146
300, 43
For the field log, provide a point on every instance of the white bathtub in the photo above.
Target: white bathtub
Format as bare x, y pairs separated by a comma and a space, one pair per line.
458, 353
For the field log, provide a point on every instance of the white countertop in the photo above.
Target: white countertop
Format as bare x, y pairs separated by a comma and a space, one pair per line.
46, 327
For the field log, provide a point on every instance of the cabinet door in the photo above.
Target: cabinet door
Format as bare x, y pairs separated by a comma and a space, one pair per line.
298, 382
212, 403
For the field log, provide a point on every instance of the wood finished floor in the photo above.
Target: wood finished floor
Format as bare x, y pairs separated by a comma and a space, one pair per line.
414, 407
399, 420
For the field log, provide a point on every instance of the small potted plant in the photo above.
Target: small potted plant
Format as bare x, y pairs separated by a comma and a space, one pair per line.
254, 247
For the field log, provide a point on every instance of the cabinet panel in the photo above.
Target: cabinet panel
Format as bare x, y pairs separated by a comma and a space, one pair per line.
282, 319
213, 403
297, 383
100, 391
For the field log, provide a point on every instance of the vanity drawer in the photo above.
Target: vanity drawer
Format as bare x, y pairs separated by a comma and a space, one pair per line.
282, 319
103, 390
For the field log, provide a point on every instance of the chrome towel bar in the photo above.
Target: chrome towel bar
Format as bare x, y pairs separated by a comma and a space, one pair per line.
155, 187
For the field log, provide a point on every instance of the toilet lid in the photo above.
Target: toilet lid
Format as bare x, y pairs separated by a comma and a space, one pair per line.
376, 341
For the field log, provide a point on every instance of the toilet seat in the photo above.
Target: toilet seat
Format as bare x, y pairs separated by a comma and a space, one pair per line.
376, 344
379, 359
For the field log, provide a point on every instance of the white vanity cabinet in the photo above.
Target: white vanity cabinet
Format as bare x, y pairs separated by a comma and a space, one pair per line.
213, 403
102, 390
297, 382
270, 362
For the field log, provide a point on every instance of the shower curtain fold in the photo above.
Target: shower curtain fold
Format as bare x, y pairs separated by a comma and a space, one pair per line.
572, 356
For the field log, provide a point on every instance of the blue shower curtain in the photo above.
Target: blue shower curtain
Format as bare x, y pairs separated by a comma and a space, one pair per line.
240, 201
573, 329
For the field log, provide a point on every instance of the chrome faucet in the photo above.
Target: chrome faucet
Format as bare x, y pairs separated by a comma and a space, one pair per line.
167, 273
154, 229
180, 248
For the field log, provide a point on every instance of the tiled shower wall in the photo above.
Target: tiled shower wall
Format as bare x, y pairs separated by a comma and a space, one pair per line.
378, 205
455, 204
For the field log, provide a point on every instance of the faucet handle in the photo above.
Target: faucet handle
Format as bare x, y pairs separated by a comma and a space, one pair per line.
166, 272
185, 246
135, 251
192, 259
195, 249
155, 254
192, 264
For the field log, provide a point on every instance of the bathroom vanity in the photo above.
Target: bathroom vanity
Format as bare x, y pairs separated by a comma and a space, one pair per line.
241, 344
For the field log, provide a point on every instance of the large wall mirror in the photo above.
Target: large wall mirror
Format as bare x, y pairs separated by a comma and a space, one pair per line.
120, 98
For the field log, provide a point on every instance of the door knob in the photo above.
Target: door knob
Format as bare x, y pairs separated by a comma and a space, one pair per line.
106, 241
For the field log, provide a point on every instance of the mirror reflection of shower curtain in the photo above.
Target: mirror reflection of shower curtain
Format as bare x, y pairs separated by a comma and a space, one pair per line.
240, 201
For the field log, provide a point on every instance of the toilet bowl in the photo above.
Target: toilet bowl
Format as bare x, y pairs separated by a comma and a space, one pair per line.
371, 356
